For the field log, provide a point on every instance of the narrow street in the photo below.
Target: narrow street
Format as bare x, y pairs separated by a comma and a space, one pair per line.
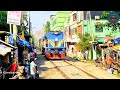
76, 44
48, 71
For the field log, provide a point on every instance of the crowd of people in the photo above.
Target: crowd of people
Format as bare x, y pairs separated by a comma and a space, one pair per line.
9, 70
30, 70
109, 63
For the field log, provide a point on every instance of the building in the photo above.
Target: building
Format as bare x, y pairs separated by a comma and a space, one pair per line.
72, 28
51, 21
98, 30
57, 22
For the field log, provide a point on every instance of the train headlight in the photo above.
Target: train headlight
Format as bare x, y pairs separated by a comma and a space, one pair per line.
56, 39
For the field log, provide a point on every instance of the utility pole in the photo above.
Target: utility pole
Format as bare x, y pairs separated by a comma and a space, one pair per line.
92, 35
22, 36
29, 24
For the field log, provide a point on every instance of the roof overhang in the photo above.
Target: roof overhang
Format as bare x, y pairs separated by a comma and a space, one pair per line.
9, 45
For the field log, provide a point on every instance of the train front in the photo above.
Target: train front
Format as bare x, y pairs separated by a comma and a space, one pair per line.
56, 46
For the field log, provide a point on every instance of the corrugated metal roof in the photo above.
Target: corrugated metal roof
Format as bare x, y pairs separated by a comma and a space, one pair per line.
7, 44
4, 50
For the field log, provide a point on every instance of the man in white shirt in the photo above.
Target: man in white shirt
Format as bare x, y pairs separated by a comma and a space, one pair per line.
86, 54
79, 55
33, 70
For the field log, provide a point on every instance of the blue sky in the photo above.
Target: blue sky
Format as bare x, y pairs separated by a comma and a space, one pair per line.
38, 18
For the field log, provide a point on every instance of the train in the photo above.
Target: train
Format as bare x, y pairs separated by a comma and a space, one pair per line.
53, 45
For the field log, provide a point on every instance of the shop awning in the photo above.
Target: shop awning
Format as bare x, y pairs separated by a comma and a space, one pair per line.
100, 41
117, 47
9, 45
4, 50
117, 40
23, 42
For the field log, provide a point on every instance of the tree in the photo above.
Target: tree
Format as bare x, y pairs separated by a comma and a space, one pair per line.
84, 43
3, 21
33, 39
105, 15
25, 27
108, 24
47, 27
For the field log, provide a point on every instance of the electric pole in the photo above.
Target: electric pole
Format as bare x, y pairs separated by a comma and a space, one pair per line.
22, 36
92, 35
29, 24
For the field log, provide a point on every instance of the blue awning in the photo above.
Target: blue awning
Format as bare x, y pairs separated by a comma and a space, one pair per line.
100, 41
23, 42
117, 40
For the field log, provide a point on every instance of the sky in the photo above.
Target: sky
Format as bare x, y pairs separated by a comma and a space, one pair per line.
38, 18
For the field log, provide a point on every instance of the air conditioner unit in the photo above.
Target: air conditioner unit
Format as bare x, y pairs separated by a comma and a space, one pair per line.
97, 17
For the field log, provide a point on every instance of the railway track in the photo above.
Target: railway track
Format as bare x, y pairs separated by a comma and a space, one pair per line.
62, 73
65, 75
82, 70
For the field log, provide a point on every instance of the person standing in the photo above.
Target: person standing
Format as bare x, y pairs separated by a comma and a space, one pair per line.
119, 55
109, 62
33, 70
72, 50
86, 54
79, 55
35, 51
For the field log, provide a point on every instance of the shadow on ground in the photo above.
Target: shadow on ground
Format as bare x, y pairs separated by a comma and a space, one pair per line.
71, 59
41, 61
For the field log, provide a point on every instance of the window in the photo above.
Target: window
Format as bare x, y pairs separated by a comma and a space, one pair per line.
73, 30
98, 29
69, 31
76, 31
74, 17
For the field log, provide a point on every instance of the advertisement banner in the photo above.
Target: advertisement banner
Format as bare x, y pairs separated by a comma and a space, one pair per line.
14, 17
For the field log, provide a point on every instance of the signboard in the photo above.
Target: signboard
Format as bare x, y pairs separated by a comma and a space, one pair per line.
113, 17
14, 17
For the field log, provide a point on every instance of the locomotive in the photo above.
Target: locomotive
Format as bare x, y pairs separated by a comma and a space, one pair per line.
53, 45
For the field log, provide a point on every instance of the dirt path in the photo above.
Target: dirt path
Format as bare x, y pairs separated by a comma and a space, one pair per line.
48, 71
96, 71
71, 71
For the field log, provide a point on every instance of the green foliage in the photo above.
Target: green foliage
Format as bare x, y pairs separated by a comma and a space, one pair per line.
33, 39
3, 20
108, 24
47, 27
84, 43
105, 15
25, 27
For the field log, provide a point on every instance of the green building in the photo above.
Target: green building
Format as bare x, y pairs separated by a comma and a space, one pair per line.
98, 30
57, 22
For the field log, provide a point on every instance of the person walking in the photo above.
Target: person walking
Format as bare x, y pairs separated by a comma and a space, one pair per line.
35, 51
33, 70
